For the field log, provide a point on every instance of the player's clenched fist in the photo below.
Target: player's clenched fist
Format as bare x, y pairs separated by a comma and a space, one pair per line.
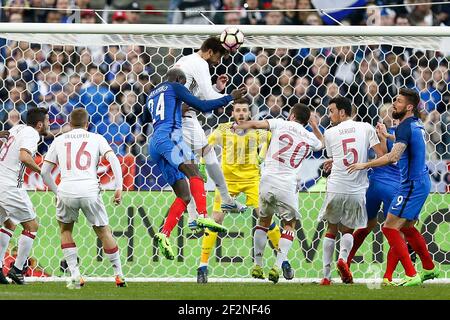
238, 93
117, 197
4, 134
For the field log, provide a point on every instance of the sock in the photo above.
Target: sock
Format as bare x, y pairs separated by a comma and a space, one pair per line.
71, 255
391, 264
328, 249
260, 240
5, 236
287, 237
197, 187
398, 245
346, 246
114, 258
358, 238
216, 174
208, 243
192, 211
418, 244
176, 210
25, 244
274, 235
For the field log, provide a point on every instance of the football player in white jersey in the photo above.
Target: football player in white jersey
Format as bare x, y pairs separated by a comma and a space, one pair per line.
16, 154
290, 145
77, 154
344, 207
198, 81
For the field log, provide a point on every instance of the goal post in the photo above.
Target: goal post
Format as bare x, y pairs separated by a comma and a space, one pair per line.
49, 65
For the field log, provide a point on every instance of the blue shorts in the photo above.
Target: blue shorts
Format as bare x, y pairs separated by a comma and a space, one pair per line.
411, 197
380, 193
169, 150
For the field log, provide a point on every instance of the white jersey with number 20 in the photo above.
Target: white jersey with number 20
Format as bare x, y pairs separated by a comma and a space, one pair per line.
289, 146
348, 143
77, 153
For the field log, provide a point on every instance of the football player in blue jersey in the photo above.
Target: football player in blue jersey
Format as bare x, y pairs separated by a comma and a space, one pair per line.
409, 150
384, 183
173, 156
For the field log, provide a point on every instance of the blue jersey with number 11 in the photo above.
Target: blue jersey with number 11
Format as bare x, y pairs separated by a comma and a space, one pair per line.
165, 101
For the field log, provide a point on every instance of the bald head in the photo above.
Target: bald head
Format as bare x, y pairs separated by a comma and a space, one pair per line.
176, 75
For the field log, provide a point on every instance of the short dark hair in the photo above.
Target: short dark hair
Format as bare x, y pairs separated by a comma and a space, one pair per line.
214, 44
301, 112
342, 103
35, 115
241, 101
411, 95
79, 118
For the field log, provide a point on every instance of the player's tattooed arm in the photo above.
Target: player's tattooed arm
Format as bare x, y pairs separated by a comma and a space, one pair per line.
396, 152
391, 157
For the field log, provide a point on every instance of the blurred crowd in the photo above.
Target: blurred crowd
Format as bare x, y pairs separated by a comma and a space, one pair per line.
112, 82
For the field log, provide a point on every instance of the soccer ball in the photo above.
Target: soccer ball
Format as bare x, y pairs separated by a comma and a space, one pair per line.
231, 38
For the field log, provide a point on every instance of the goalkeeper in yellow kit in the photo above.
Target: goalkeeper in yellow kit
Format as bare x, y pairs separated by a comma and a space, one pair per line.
241, 157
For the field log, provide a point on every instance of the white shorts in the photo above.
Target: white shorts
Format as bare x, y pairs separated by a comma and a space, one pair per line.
346, 209
15, 204
193, 134
276, 201
67, 210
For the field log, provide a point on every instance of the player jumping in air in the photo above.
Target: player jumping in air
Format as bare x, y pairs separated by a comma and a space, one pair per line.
16, 154
174, 157
198, 80
77, 154
241, 157
290, 145
409, 151
344, 208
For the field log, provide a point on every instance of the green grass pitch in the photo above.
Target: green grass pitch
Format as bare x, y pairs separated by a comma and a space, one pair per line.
219, 291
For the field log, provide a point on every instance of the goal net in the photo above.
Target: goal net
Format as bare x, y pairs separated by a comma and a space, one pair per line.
109, 69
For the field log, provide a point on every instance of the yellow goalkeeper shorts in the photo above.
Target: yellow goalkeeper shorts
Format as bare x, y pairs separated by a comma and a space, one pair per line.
251, 190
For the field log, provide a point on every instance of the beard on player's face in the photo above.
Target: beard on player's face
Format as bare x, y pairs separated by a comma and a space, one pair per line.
398, 114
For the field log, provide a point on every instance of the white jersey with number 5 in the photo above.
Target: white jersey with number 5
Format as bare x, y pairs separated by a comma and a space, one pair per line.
348, 143
289, 146
11, 168
77, 153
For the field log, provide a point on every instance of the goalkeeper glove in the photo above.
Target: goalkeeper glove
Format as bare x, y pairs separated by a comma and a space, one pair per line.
202, 169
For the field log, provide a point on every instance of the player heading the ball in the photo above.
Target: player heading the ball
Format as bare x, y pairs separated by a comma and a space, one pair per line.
173, 156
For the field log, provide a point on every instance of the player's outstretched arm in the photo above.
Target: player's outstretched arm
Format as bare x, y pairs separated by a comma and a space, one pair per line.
205, 105
118, 180
46, 174
244, 125
391, 157
26, 158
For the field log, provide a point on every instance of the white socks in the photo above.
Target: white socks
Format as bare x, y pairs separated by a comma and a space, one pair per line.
345, 246
285, 244
25, 244
216, 174
114, 258
70, 253
329, 243
260, 240
5, 236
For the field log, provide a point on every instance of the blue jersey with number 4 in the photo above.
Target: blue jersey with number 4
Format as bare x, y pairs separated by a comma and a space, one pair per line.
164, 103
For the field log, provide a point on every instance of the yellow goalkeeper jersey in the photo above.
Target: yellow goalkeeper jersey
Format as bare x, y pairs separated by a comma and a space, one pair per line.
240, 153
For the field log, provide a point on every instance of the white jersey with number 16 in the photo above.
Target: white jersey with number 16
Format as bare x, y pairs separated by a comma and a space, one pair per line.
77, 153
289, 146
348, 143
